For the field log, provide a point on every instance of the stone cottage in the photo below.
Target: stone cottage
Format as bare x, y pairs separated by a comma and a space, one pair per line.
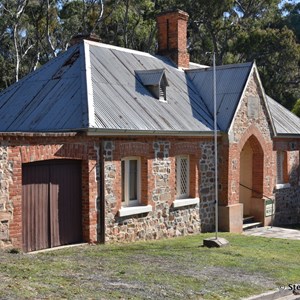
107, 144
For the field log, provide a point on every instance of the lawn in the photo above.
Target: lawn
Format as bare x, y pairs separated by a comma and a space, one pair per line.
167, 269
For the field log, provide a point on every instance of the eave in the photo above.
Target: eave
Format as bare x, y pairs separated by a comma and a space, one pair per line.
127, 132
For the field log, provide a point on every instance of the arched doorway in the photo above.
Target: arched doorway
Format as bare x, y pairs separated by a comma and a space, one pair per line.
251, 179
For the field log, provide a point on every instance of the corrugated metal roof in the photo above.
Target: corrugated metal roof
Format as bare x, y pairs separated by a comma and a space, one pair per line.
230, 83
123, 102
285, 122
95, 86
39, 102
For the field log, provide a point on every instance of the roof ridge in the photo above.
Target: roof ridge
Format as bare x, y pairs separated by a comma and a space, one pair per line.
118, 48
221, 67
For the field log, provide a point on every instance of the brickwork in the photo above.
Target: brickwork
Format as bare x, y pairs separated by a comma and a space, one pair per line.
172, 37
6, 205
158, 180
158, 184
18, 150
287, 200
252, 124
158, 189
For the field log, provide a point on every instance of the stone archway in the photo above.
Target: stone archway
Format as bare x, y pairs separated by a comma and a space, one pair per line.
251, 179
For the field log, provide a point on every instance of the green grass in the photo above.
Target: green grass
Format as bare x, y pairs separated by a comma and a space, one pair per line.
167, 269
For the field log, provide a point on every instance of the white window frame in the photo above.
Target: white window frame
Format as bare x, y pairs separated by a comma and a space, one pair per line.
126, 202
179, 194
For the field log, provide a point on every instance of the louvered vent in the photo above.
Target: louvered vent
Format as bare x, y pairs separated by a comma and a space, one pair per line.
162, 93
155, 81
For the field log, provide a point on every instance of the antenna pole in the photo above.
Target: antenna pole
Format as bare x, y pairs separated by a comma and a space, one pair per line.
215, 144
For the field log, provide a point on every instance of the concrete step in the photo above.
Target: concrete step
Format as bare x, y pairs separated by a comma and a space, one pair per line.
248, 219
251, 225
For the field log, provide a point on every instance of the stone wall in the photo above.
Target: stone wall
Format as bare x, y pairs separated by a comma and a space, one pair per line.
287, 206
158, 189
6, 205
158, 172
252, 124
207, 186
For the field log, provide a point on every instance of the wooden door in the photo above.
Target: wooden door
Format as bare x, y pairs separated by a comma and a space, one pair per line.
51, 204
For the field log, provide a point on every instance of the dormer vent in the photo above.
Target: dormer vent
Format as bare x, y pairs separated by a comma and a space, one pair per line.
155, 81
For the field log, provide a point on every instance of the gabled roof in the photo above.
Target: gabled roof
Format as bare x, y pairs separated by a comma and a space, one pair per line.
93, 86
231, 80
285, 122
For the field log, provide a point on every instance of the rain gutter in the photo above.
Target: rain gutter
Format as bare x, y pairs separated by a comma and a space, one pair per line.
126, 132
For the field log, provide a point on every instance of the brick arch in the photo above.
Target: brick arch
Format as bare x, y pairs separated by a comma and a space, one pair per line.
252, 132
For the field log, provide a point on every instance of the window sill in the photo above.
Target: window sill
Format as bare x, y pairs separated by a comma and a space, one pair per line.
185, 202
134, 210
282, 186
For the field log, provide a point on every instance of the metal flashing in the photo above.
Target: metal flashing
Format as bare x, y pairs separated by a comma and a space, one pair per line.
107, 132
89, 88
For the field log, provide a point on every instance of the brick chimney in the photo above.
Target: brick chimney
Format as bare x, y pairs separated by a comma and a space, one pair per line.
172, 36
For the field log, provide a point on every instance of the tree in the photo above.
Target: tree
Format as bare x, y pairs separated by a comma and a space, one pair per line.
241, 30
34, 31
292, 18
277, 55
296, 108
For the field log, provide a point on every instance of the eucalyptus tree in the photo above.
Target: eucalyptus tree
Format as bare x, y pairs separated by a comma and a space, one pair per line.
34, 31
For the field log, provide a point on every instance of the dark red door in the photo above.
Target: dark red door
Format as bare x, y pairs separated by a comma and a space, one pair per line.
51, 204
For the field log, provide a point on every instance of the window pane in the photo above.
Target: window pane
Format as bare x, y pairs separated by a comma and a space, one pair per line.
123, 179
183, 176
133, 180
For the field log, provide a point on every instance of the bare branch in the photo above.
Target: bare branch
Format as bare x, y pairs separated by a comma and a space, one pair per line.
100, 16
16, 52
48, 31
20, 9
240, 6
26, 51
7, 10
36, 61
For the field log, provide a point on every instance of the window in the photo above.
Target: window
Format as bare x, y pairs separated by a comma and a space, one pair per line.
130, 181
282, 171
182, 177
280, 160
